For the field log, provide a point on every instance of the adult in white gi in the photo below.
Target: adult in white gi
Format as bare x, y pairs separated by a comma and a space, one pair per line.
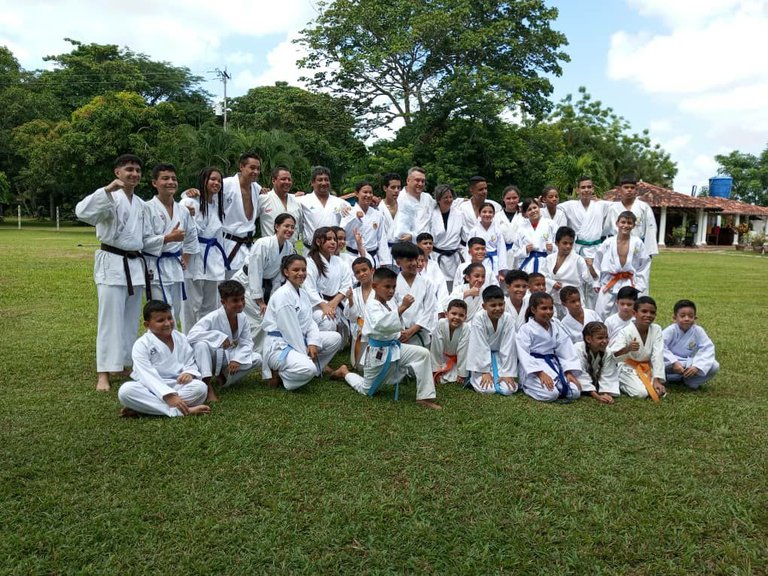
278, 201
241, 196
320, 208
414, 206
366, 223
388, 206
492, 351
508, 219
446, 224
689, 354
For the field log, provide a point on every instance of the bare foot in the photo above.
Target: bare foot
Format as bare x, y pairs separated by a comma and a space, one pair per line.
212, 396
431, 404
102, 384
339, 373
199, 410
128, 413
274, 382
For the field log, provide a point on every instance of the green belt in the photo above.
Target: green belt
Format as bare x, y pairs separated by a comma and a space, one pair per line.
589, 242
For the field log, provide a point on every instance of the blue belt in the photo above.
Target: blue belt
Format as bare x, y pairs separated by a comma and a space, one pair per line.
288, 348
533, 255
379, 380
554, 363
491, 255
509, 245
212, 243
177, 256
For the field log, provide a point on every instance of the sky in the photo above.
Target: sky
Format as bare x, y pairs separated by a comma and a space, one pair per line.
689, 71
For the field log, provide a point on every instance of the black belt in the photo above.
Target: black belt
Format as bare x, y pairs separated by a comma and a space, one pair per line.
239, 241
131, 255
356, 252
329, 298
266, 286
448, 253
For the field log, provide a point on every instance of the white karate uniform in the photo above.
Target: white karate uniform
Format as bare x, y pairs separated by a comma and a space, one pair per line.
467, 210
474, 303
691, 348
207, 337
615, 325
449, 239
491, 279
508, 229
264, 265
412, 214
535, 338
207, 267
607, 265
495, 248
155, 371
572, 326
337, 280
389, 227
434, 275
606, 369
645, 226
122, 224
373, 231
316, 215
517, 317
423, 311
386, 360
542, 235
572, 272
445, 345
652, 350
166, 271
289, 329
558, 220
355, 314
587, 222
488, 344
236, 222
270, 207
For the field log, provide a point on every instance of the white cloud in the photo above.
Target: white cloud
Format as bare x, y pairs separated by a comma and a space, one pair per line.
281, 61
678, 12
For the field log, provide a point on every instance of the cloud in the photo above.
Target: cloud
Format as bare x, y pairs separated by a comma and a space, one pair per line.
281, 62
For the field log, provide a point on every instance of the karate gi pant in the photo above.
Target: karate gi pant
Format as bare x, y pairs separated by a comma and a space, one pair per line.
255, 319
339, 324
503, 388
214, 361
605, 304
118, 326
533, 387
172, 297
415, 359
202, 298
297, 369
139, 398
631, 385
694, 382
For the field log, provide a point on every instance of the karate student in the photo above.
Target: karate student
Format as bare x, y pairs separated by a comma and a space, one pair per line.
689, 354
419, 319
565, 268
449, 345
576, 316
599, 376
413, 206
535, 238
294, 347
516, 282
430, 269
639, 348
178, 230
341, 246
222, 341
165, 380
492, 358
262, 274
119, 269
390, 186
471, 290
551, 198
448, 233
495, 247
625, 302
365, 222
209, 265
621, 261
241, 195
546, 354
354, 312
320, 208
278, 201
388, 357
476, 250
508, 220
328, 279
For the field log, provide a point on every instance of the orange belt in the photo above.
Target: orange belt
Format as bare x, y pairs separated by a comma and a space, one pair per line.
643, 370
452, 360
619, 276
358, 340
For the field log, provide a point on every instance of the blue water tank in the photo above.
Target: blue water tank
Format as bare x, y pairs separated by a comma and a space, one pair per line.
720, 186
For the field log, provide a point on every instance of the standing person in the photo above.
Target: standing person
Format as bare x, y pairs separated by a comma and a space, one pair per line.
369, 224
295, 348
478, 196
414, 206
328, 280
420, 318
355, 309
508, 220
209, 265
551, 198
495, 247
240, 194
446, 225
277, 201
320, 208
565, 268
390, 186
122, 227
179, 233
535, 238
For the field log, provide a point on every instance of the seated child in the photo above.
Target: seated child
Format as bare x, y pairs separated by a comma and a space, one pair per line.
546, 354
328, 279
689, 354
639, 348
471, 289
565, 268
341, 246
222, 340
294, 346
625, 301
387, 357
476, 250
599, 371
576, 316
420, 319
537, 282
517, 289
449, 345
166, 381
492, 358
355, 310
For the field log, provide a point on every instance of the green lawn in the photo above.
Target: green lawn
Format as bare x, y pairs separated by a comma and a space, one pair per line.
326, 481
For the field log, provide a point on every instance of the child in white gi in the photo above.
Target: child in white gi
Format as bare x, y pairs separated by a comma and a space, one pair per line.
495, 247
476, 251
639, 348
689, 354
222, 341
576, 316
420, 319
355, 309
366, 223
492, 358
328, 279
535, 238
599, 376
548, 363
565, 268
388, 356
625, 302
470, 291
166, 381
294, 346
517, 292
430, 269
551, 198
449, 345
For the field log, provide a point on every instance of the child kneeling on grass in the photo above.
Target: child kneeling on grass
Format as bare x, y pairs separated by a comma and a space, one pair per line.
387, 358
689, 354
165, 378
449, 344
599, 376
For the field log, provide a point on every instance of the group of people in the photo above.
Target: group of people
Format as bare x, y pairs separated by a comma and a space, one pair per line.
533, 294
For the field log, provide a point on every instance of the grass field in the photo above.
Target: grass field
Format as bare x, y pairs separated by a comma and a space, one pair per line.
326, 481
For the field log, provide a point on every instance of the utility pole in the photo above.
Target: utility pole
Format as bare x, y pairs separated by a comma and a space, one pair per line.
224, 76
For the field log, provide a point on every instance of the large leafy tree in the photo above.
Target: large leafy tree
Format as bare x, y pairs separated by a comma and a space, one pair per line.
749, 173
392, 59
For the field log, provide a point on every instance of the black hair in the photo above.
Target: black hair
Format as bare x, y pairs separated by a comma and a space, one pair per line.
475, 240
627, 179
456, 303
319, 171
388, 177
125, 159
526, 203
684, 304
515, 274
337, 229
645, 300
534, 275
153, 306
548, 189
473, 266
568, 291
405, 250
487, 205
230, 288
592, 328
290, 259
384, 273
627, 293
493, 292
162, 167
277, 169
535, 300
583, 178
627, 215
202, 184
359, 186
361, 260
421, 251
565, 232
245, 156
476, 180
283, 217
424, 236
318, 238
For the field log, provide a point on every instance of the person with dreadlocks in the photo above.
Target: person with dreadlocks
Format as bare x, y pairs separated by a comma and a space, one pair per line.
599, 376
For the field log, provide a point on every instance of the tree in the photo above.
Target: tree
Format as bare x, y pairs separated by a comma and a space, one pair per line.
749, 173
390, 60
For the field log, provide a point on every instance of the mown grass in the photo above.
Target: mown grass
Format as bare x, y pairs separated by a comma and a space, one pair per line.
326, 481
